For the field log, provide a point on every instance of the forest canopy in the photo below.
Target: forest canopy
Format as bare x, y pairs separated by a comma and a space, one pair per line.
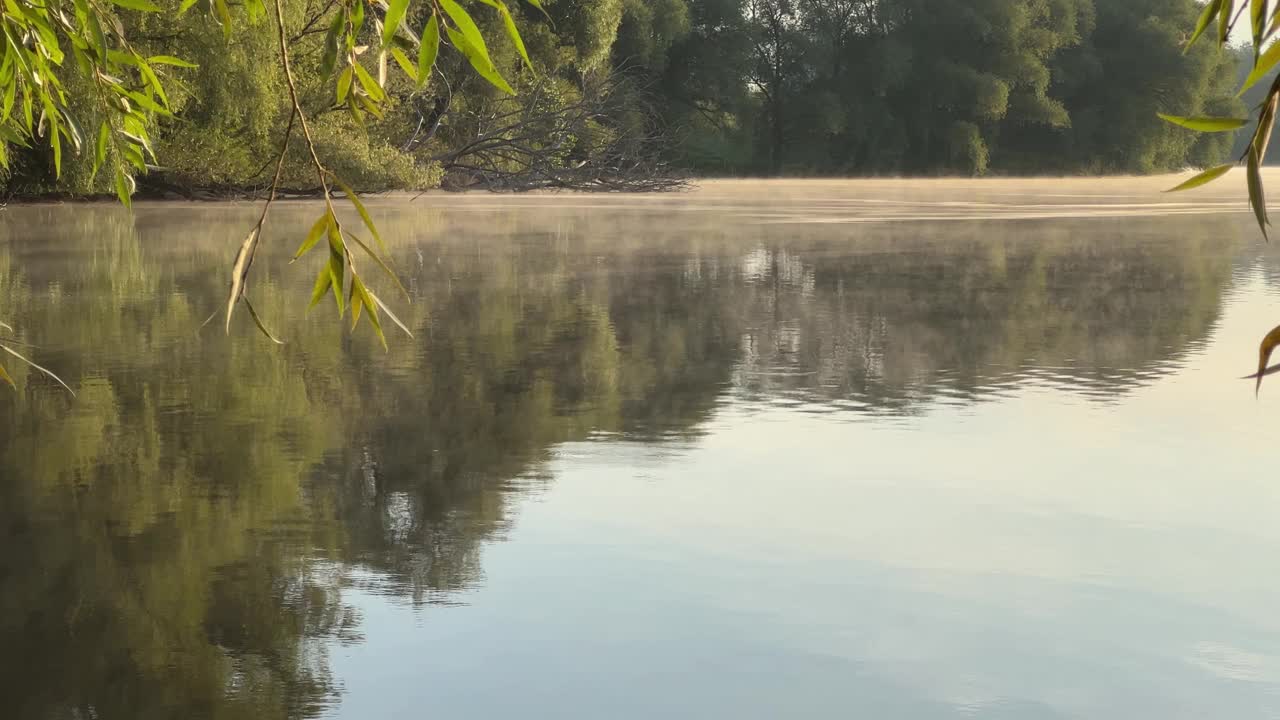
616, 93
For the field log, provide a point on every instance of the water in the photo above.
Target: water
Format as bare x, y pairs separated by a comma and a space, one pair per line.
801, 449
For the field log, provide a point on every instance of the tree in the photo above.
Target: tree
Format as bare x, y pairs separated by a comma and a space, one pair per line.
69, 68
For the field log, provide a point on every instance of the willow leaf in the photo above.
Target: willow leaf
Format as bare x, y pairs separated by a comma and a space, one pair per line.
313, 236
1203, 178
1257, 198
390, 314
391, 23
385, 268
258, 321
239, 271
428, 49
44, 370
1205, 124
1262, 67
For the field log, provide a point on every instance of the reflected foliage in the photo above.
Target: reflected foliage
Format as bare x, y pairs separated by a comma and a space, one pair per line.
177, 540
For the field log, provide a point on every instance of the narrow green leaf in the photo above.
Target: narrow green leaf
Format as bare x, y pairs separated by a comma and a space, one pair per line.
224, 17
373, 315
170, 60
390, 314
1203, 178
514, 33
143, 5
124, 188
317, 231
1258, 16
1206, 17
99, 37
149, 76
147, 103
258, 321
100, 151
1205, 124
1257, 198
428, 48
1224, 21
355, 301
10, 94
44, 370
324, 281
467, 27
185, 6
403, 61
337, 265
391, 23
479, 59
378, 259
344, 84
538, 4
1262, 67
357, 18
330, 57
371, 87
7, 378
360, 208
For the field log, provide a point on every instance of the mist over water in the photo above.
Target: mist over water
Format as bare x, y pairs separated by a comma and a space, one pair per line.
801, 448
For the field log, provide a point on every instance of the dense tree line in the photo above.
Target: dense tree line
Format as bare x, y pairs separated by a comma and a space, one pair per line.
620, 89
936, 86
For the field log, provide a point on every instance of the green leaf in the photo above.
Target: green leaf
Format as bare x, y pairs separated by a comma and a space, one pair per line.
538, 4
224, 17
99, 37
1258, 15
403, 61
143, 5
124, 187
154, 82
46, 371
8, 379
317, 231
330, 57
1205, 124
360, 208
371, 87
1257, 198
1203, 178
428, 48
355, 300
344, 84
387, 310
337, 265
373, 314
378, 259
258, 321
1262, 66
323, 282
100, 152
391, 23
185, 6
466, 26
514, 33
479, 59
1224, 21
170, 60
147, 103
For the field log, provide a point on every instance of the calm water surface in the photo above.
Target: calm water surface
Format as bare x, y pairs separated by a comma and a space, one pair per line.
801, 449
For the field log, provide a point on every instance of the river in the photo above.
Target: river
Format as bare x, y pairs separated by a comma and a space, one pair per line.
801, 449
